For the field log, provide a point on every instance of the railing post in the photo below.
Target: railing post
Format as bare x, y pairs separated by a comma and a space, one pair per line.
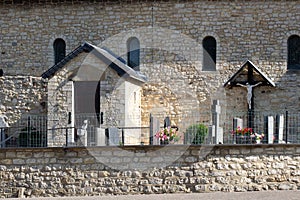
28, 131
123, 139
67, 137
2, 138
286, 126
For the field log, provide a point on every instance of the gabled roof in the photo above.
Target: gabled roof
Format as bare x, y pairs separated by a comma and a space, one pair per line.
118, 65
111, 59
85, 47
248, 72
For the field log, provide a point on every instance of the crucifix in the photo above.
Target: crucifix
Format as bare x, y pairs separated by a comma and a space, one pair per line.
249, 92
254, 77
250, 84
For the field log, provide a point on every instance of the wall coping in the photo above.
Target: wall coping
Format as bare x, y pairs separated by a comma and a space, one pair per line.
276, 147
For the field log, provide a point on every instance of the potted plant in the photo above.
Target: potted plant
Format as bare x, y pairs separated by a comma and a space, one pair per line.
259, 137
196, 133
244, 136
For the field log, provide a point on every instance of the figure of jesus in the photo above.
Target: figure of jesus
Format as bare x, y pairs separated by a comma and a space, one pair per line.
249, 93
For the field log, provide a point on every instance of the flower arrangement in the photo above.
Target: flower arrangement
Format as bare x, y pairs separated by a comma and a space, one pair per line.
247, 136
167, 134
244, 136
243, 131
259, 136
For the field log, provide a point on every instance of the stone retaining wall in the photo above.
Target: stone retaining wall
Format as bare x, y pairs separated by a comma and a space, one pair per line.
147, 170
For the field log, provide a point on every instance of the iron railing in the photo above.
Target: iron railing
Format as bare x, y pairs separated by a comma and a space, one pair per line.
34, 130
28, 131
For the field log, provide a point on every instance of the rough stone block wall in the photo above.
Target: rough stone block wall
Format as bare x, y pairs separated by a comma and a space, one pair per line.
148, 170
170, 34
21, 95
243, 29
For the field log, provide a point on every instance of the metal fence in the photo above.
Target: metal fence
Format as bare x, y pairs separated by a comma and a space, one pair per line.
33, 130
285, 126
28, 131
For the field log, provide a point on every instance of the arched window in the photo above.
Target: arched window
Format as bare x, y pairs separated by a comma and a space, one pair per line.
294, 52
209, 45
59, 47
133, 53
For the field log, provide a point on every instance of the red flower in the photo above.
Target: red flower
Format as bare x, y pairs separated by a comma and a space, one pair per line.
243, 131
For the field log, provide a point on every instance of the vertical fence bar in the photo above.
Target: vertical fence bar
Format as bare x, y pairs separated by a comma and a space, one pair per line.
28, 132
69, 117
232, 135
46, 129
67, 137
2, 138
286, 126
123, 139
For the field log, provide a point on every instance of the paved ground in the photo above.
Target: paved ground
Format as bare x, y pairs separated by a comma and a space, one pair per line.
264, 195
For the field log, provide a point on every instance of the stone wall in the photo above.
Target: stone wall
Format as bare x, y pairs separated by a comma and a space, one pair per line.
148, 170
21, 95
243, 29
170, 34
252, 30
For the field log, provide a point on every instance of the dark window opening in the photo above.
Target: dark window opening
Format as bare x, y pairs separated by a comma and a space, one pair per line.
59, 46
294, 52
133, 53
209, 45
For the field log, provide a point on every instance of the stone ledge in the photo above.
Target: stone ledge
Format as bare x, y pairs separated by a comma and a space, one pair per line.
146, 148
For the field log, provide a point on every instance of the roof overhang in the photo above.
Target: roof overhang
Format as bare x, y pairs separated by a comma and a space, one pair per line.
92, 70
248, 72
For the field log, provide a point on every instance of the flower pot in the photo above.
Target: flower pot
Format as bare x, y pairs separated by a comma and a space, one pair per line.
244, 139
164, 142
258, 141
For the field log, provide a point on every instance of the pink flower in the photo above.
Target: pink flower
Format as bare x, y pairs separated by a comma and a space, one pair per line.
157, 135
168, 133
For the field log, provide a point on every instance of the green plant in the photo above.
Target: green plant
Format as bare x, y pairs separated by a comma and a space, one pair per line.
196, 133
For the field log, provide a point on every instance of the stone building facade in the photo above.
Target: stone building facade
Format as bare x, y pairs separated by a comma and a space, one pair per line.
184, 76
